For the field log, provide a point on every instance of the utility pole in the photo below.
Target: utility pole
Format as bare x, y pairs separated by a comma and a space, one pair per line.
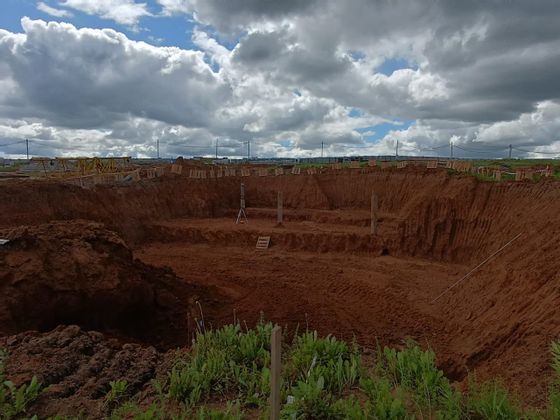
397, 149
510, 151
157, 148
451, 149
248, 149
322, 146
27, 147
216, 148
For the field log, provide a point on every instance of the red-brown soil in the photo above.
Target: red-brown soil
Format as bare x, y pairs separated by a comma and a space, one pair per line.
325, 270
78, 272
76, 367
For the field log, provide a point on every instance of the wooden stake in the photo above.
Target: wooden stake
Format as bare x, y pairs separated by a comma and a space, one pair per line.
275, 369
374, 205
280, 215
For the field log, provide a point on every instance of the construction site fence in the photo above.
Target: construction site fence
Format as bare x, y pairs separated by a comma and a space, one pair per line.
462, 166
89, 181
221, 171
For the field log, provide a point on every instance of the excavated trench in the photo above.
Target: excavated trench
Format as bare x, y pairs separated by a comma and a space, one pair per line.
325, 270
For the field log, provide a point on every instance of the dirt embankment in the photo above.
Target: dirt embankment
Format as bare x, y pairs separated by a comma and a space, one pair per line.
427, 214
78, 272
423, 213
124, 209
512, 306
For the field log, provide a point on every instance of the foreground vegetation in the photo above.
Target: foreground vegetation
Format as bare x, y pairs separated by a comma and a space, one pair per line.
226, 375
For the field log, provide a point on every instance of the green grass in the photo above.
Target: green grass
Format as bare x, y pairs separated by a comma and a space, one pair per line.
511, 165
225, 375
517, 163
13, 168
14, 401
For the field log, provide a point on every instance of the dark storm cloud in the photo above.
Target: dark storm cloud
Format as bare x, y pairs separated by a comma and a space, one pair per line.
294, 64
233, 15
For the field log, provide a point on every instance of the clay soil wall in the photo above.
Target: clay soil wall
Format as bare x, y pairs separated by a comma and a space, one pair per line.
423, 214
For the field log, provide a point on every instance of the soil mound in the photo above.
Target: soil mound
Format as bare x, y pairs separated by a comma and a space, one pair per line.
76, 367
80, 273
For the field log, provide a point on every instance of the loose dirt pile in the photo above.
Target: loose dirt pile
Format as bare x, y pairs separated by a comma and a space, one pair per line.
76, 367
78, 272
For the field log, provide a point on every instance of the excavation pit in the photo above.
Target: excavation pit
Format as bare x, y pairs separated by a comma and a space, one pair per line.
325, 270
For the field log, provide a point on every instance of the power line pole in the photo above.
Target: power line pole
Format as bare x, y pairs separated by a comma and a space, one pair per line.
248, 149
451, 149
397, 149
27, 147
216, 148
322, 146
510, 151
157, 148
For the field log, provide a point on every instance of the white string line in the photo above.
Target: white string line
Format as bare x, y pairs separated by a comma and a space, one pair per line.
474, 269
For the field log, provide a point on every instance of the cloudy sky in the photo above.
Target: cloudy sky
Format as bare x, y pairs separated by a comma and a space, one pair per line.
112, 77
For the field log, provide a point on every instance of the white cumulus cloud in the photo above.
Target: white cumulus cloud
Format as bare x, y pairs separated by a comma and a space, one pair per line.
44, 7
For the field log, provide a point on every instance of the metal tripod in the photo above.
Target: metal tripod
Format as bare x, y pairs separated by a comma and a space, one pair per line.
241, 213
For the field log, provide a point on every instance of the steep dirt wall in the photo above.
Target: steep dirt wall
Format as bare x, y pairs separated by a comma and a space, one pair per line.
423, 213
511, 306
426, 214
123, 208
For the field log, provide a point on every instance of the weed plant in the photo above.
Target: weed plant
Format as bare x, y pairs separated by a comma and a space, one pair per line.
226, 375
14, 401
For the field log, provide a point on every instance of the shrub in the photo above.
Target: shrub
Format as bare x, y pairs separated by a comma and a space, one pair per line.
491, 401
327, 358
382, 404
118, 391
554, 396
223, 361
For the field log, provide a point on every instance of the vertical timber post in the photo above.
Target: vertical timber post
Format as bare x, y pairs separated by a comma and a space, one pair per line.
27, 147
275, 370
280, 214
374, 205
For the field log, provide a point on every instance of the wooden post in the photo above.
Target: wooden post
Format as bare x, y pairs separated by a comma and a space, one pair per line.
374, 205
275, 370
280, 214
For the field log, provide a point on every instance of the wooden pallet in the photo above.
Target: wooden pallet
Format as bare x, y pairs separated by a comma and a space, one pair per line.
262, 243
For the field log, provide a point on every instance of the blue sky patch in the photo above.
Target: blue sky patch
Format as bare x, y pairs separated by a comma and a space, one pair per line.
169, 31
375, 133
355, 113
391, 65
285, 143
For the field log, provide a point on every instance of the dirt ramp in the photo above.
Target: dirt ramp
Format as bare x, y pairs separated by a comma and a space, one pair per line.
80, 273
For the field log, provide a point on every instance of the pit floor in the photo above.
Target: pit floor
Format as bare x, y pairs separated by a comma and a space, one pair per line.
376, 299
